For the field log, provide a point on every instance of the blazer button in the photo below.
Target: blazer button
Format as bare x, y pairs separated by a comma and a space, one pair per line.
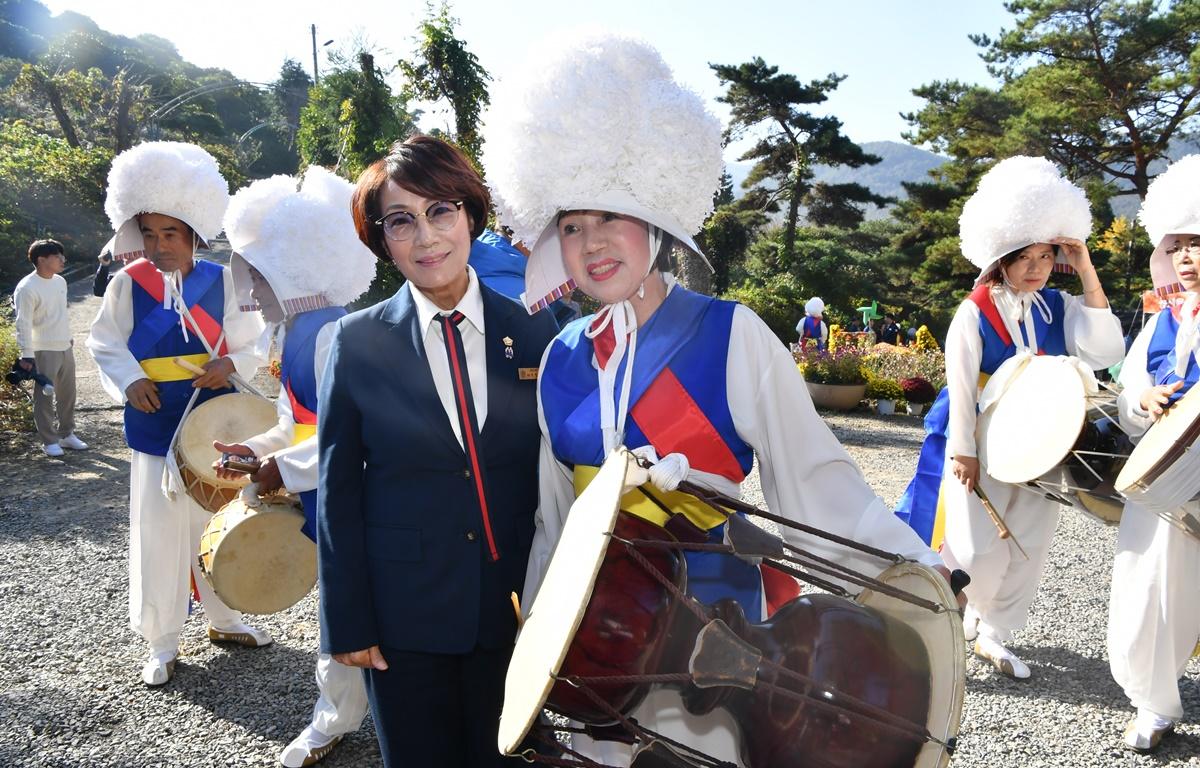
470, 535
466, 473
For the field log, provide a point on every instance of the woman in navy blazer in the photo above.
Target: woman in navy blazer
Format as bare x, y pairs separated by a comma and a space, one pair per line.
428, 482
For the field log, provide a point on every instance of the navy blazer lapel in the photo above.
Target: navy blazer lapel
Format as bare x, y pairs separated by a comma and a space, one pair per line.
413, 365
501, 371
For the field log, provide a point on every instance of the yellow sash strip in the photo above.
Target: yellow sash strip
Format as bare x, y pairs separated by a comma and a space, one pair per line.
301, 432
637, 503
165, 369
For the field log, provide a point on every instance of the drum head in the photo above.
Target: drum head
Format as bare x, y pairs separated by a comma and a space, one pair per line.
1035, 423
229, 419
561, 601
942, 634
1163, 443
256, 558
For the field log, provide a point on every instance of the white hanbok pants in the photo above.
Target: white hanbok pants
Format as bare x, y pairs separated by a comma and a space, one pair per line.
1003, 583
1154, 609
342, 703
164, 538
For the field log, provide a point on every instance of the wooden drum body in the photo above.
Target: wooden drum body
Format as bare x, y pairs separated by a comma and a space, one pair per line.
255, 557
227, 419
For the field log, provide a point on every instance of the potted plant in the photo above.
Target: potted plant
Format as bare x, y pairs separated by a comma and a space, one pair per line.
835, 378
885, 392
918, 393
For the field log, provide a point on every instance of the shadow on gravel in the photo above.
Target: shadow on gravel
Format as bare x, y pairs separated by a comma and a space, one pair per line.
864, 434
1059, 674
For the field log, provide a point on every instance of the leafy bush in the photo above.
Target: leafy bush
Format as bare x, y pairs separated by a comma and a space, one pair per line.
918, 390
925, 341
16, 415
898, 366
841, 366
775, 301
883, 388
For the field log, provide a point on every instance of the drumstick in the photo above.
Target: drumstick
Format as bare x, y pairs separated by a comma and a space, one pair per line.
233, 377
516, 604
999, 521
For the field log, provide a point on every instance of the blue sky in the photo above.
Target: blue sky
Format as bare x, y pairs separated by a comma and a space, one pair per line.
885, 48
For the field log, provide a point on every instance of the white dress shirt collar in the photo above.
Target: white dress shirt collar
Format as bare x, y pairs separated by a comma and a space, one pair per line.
471, 305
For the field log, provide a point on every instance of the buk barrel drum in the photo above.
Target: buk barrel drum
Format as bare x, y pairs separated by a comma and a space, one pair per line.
825, 681
1163, 472
254, 555
227, 419
1048, 430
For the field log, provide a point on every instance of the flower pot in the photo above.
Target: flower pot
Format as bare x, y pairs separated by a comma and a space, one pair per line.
838, 397
885, 407
915, 409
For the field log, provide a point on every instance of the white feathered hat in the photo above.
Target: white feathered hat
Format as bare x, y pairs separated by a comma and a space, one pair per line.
594, 120
1171, 207
299, 234
168, 177
815, 306
1019, 202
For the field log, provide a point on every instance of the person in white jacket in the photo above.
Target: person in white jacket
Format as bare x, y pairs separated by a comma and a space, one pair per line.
1154, 608
604, 188
1024, 221
164, 199
298, 261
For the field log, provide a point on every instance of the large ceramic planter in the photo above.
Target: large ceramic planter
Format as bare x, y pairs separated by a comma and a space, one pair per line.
837, 397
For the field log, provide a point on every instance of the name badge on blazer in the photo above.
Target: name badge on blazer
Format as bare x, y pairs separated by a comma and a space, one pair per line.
527, 374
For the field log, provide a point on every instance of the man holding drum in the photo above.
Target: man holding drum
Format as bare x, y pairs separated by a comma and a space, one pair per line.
298, 260
1154, 609
602, 163
164, 199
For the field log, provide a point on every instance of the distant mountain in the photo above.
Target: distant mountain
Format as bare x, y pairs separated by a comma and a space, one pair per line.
900, 162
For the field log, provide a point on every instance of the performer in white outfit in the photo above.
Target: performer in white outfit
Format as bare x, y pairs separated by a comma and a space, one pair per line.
1024, 221
298, 261
603, 163
1154, 610
164, 199
812, 326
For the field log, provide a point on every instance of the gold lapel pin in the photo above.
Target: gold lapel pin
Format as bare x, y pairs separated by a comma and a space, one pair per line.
508, 347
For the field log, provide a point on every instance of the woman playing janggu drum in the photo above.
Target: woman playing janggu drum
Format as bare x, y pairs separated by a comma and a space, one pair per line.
1024, 222
1154, 613
602, 163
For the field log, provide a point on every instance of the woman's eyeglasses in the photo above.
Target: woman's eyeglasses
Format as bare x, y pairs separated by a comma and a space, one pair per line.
402, 225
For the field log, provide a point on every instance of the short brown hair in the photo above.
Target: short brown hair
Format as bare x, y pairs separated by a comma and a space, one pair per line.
40, 248
426, 166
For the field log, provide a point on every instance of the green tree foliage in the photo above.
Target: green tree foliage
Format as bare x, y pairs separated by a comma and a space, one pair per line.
352, 118
793, 141
442, 69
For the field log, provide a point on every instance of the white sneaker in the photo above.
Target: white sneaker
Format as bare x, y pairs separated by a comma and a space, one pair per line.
970, 624
239, 634
1144, 732
158, 670
72, 442
309, 748
1003, 659
53, 449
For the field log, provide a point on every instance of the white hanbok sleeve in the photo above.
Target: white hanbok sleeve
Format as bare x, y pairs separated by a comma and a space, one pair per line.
1093, 335
1135, 380
556, 494
964, 355
806, 474
242, 332
298, 464
109, 339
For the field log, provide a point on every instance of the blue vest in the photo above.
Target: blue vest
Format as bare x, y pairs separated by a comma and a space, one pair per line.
298, 381
157, 333
689, 337
812, 330
1161, 357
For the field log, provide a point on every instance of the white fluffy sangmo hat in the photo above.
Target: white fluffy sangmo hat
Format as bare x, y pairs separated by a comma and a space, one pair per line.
299, 234
1019, 202
595, 121
1171, 207
815, 306
167, 177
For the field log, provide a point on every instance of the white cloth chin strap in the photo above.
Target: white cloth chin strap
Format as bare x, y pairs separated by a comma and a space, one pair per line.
1016, 307
624, 323
1187, 341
